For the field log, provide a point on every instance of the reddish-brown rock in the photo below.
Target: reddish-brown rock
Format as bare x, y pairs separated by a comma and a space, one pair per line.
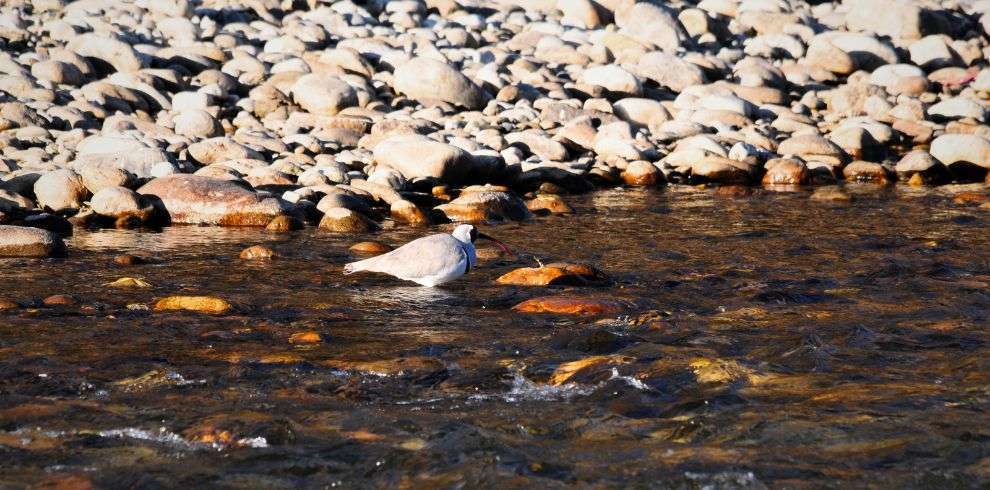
553, 274
570, 305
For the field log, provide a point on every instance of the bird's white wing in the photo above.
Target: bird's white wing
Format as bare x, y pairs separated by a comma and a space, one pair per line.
422, 257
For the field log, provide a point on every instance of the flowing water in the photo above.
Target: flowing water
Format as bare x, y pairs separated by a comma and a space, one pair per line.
766, 341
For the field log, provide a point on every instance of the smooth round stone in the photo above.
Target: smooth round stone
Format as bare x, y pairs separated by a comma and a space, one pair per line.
21, 241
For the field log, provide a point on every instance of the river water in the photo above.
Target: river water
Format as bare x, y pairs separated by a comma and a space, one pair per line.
768, 340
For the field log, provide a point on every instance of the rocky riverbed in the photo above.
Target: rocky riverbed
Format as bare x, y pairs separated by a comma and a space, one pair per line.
302, 134
355, 117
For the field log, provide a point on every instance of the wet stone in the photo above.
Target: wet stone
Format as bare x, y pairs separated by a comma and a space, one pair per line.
553, 274
18, 241
257, 252
571, 305
202, 304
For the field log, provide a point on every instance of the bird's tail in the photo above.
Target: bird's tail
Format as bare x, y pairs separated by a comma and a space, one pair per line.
358, 266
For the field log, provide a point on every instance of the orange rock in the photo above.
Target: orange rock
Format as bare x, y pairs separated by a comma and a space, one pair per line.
375, 248
283, 223
237, 429
305, 338
127, 259
733, 191
407, 212
59, 300
6, 304
202, 304
441, 192
363, 435
862, 171
485, 203
551, 203
970, 198
569, 305
552, 274
257, 252
641, 173
343, 220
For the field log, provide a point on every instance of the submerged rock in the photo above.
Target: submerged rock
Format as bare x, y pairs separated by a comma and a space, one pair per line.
571, 305
257, 252
201, 304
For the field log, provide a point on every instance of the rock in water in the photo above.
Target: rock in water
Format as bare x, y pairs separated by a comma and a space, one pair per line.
570, 305
481, 203
20, 241
553, 274
202, 304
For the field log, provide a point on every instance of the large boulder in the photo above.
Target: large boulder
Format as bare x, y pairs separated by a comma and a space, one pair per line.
197, 199
416, 156
485, 203
322, 94
108, 50
117, 152
669, 71
118, 202
651, 24
899, 19
20, 241
962, 148
429, 81
60, 190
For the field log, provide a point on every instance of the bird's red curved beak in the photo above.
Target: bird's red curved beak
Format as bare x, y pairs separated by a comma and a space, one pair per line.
504, 247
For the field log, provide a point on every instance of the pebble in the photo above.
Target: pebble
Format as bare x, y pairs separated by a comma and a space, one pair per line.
201, 304
129, 282
60, 300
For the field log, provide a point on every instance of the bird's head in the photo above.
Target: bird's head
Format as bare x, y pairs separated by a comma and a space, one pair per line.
469, 234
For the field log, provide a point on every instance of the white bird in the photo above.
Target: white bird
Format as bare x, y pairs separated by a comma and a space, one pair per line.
430, 260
